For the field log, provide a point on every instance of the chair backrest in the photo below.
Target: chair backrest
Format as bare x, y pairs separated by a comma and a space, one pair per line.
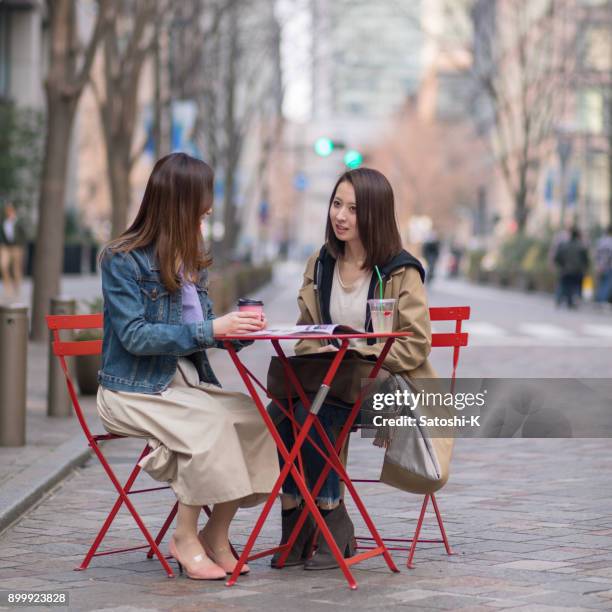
63, 348
456, 340
66, 348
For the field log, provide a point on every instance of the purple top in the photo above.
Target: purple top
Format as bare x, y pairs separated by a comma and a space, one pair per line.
192, 308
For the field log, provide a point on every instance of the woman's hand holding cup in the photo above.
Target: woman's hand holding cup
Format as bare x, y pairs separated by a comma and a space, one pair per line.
239, 322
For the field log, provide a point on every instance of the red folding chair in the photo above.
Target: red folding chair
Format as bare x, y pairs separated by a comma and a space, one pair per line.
455, 340
63, 349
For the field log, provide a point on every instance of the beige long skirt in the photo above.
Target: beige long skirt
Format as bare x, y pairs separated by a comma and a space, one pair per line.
209, 444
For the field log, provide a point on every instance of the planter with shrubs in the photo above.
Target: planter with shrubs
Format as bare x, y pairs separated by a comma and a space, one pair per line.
87, 366
226, 287
521, 262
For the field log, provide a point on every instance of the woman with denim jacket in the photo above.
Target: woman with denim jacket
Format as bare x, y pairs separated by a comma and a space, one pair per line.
209, 444
361, 234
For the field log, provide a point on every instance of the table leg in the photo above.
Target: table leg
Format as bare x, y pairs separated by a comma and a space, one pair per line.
334, 461
289, 458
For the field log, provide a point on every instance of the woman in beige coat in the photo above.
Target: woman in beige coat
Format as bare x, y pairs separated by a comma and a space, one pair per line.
211, 445
361, 234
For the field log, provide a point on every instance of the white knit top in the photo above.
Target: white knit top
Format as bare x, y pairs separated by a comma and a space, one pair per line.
347, 305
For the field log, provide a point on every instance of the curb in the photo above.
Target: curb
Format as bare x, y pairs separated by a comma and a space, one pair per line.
20, 494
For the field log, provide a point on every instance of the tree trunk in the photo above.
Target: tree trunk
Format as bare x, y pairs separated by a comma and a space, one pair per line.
119, 179
48, 258
69, 68
521, 212
162, 103
610, 186
229, 213
610, 147
520, 215
232, 140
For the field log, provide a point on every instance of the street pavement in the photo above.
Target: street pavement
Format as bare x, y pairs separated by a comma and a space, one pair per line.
529, 520
25, 471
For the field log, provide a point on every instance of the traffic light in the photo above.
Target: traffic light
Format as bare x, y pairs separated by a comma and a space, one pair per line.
353, 159
324, 146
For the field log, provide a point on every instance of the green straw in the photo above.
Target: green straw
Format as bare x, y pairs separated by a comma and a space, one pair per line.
381, 282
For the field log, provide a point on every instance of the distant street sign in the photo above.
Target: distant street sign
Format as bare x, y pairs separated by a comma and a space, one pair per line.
219, 188
300, 182
573, 189
549, 188
264, 212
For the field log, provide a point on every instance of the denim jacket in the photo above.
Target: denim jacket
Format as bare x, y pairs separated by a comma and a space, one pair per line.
143, 330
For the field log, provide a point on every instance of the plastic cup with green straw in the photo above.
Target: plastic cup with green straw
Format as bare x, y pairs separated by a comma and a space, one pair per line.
381, 282
381, 310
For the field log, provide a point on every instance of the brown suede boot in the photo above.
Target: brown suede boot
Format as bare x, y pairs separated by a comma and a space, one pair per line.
302, 544
343, 530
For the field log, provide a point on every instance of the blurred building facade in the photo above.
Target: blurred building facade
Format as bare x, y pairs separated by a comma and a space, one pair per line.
560, 55
446, 86
445, 100
261, 203
193, 121
24, 61
366, 59
23, 56
366, 56
197, 90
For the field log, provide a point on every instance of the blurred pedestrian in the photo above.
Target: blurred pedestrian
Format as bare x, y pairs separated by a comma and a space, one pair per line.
12, 240
558, 239
456, 251
431, 252
603, 267
572, 261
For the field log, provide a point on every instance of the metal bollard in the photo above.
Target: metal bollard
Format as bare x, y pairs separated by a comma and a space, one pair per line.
58, 400
13, 373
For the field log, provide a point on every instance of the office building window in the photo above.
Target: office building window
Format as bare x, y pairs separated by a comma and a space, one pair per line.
590, 109
596, 48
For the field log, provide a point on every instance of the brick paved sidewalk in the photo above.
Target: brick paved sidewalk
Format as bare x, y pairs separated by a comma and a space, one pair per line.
529, 521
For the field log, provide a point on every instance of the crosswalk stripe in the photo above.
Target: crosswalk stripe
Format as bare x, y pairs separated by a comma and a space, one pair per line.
598, 330
508, 341
482, 328
544, 330
483, 333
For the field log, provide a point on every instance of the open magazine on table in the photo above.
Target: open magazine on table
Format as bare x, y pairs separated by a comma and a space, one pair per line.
297, 330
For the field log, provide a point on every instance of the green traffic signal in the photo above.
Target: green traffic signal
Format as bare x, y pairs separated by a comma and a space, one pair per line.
353, 159
324, 146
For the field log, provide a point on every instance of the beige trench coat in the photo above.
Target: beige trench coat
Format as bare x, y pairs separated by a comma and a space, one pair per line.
407, 357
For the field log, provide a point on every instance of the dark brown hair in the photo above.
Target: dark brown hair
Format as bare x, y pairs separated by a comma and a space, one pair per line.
178, 193
375, 217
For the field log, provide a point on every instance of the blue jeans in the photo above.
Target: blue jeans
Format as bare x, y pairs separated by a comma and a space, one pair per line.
604, 287
332, 418
570, 288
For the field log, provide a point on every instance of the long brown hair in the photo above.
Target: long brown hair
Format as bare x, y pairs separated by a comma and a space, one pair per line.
375, 217
178, 193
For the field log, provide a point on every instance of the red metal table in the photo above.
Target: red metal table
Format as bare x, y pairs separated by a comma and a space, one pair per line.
330, 451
